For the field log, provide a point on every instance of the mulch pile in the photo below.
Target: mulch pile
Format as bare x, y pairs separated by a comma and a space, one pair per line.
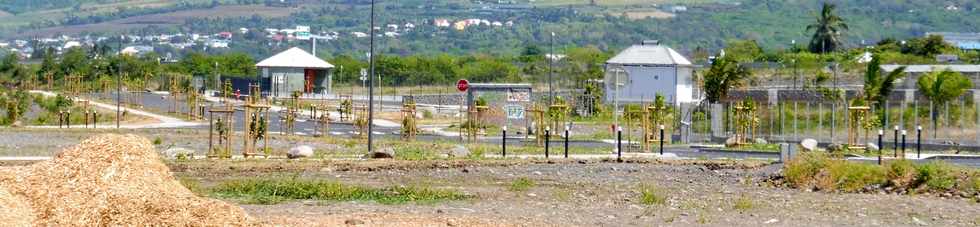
108, 180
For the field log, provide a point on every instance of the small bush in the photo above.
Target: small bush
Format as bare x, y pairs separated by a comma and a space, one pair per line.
521, 184
650, 195
936, 176
157, 141
427, 114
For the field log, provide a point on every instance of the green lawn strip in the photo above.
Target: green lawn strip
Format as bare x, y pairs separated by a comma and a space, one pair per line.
273, 191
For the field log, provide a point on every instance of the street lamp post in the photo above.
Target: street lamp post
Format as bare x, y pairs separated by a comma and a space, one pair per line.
371, 87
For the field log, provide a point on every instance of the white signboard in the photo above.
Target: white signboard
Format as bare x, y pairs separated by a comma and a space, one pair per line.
514, 111
518, 96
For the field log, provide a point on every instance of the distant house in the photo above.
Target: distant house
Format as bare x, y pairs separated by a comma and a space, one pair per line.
294, 70
966, 41
136, 50
225, 35
642, 71
441, 22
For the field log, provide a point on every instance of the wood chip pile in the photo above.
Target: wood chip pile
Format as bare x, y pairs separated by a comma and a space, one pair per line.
108, 180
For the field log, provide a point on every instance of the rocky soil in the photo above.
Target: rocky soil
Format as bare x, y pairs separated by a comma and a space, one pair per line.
588, 194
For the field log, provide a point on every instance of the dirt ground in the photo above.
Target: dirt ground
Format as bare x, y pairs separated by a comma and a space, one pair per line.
581, 193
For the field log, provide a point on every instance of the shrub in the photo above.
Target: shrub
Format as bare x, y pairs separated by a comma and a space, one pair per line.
800, 171
936, 175
901, 173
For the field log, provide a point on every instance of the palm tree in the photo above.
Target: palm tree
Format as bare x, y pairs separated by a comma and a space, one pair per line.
724, 74
827, 29
878, 87
940, 88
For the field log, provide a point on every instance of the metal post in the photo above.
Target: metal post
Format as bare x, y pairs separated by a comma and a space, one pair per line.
918, 141
619, 143
903, 144
118, 97
895, 144
503, 143
566, 141
881, 133
371, 87
662, 140
547, 141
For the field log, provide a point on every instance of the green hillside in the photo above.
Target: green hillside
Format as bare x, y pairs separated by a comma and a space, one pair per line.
606, 24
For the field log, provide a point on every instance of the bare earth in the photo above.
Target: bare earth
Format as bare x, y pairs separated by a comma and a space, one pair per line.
584, 194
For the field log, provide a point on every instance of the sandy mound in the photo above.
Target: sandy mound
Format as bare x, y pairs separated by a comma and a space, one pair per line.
110, 180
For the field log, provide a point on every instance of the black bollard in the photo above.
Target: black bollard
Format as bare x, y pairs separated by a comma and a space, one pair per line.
619, 144
566, 141
547, 141
903, 144
95, 119
918, 142
68, 119
662, 140
895, 144
503, 143
881, 133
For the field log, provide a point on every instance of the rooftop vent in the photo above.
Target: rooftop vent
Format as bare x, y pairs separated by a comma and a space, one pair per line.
651, 42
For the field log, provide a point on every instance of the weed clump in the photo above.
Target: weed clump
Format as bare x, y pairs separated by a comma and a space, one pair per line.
651, 195
521, 184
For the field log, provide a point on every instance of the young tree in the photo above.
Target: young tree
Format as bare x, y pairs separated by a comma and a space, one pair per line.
826, 30
724, 74
877, 87
942, 87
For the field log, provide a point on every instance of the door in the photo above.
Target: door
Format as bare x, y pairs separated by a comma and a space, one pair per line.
310, 77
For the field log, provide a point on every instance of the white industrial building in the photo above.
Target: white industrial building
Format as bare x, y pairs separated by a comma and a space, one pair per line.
645, 70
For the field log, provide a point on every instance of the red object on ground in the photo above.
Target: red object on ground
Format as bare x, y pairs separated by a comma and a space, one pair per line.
463, 85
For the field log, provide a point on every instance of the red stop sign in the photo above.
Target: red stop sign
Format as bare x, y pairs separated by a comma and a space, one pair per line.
463, 85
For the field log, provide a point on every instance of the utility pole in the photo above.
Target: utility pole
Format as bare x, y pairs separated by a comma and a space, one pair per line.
119, 87
551, 71
371, 87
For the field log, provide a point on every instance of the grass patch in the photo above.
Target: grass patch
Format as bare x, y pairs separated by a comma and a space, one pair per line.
743, 204
193, 185
651, 195
273, 191
521, 184
936, 175
756, 147
822, 172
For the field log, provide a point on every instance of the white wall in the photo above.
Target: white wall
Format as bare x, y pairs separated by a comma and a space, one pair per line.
643, 83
